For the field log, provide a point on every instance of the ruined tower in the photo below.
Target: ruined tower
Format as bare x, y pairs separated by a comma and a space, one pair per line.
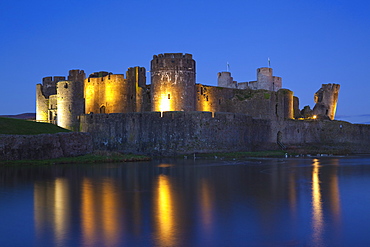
173, 82
326, 100
43, 93
70, 100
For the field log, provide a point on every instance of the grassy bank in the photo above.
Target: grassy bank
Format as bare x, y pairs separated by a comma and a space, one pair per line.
96, 157
11, 126
240, 155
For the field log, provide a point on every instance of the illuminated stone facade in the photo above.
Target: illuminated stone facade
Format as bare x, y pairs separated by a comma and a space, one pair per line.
173, 88
61, 101
173, 82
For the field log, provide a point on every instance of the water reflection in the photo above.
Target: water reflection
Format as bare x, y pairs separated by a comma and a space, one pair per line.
206, 202
164, 215
317, 214
325, 185
52, 207
88, 210
110, 212
297, 202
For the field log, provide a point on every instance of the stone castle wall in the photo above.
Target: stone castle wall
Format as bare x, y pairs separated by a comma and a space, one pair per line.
335, 134
256, 103
176, 132
196, 132
44, 146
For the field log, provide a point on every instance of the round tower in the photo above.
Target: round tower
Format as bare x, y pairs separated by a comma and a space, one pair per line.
71, 104
284, 104
173, 82
265, 79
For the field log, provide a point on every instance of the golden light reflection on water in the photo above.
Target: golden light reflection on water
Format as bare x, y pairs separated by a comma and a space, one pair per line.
164, 212
317, 211
52, 207
111, 226
61, 208
99, 216
206, 207
37, 203
87, 213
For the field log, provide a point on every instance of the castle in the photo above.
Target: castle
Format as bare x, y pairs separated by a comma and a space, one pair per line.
173, 88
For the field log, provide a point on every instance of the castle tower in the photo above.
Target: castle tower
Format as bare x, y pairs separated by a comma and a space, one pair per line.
264, 78
284, 108
136, 76
43, 93
173, 82
224, 79
70, 98
76, 75
109, 93
326, 100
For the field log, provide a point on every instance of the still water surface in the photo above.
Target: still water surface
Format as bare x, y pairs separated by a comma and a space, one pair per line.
259, 202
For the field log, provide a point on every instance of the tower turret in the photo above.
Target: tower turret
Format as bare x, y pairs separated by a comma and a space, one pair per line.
70, 98
265, 80
173, 82
43, 93
224, 79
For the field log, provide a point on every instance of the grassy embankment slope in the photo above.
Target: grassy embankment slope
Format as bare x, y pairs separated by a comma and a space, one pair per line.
10, 126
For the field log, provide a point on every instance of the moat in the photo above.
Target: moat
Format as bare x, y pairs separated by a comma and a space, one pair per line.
316, 201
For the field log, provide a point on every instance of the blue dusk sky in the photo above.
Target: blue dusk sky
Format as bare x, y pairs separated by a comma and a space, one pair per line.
309, 42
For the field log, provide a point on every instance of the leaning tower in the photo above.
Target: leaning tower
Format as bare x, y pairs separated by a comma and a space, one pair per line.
173, 82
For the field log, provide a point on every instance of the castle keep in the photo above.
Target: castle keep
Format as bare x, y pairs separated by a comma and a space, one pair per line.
114, 106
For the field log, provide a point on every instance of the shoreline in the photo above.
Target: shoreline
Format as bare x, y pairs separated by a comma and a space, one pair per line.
100, 156
95, 157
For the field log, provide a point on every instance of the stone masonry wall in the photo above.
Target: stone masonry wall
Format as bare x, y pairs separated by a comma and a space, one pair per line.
44, 146
256, 103
197, 132
354, 138
176, 132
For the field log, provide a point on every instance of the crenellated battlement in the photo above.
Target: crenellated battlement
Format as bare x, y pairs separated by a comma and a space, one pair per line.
76, 75
176, 103
173, 55
165, 116
173, 61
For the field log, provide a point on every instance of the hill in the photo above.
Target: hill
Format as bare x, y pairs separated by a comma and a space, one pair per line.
11, 126
27, 116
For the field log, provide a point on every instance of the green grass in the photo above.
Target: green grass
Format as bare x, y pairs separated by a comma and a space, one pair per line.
11, 126
245, 154
96, 157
